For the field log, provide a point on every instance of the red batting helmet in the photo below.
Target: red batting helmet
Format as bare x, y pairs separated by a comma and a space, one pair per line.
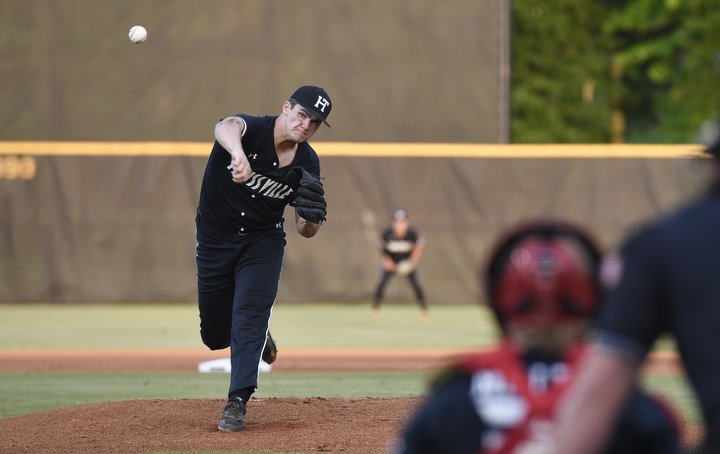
543, 273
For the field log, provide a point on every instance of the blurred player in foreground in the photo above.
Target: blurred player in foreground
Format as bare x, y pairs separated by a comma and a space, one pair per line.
666, 280
402, 246
258, 165
541, 285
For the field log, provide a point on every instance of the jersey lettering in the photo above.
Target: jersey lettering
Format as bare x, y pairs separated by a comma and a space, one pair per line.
284, 195
253, 182
518, 413
542, 376
540, 438
399, 246
267, 187
275, 190
496, 400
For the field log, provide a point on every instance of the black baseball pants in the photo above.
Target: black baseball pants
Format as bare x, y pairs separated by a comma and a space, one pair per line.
414, 282
238, 279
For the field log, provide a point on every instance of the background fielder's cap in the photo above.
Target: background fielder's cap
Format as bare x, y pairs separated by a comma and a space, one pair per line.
314, 100
400, 215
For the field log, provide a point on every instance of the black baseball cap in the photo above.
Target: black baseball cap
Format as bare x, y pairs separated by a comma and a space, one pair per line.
314, 100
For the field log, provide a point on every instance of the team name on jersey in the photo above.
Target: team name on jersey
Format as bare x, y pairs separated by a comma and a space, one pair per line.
509, 413
399, 246
267, 187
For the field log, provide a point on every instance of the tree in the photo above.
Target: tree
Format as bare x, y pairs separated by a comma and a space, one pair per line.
669, 46
560, 77
652, 66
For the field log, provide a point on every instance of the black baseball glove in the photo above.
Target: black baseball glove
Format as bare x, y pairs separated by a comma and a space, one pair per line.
310, 201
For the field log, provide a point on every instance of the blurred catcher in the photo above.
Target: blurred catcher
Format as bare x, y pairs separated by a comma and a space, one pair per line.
541, 284
402, 246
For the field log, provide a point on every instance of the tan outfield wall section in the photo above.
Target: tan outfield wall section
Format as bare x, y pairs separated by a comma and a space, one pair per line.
70, 72
96, 221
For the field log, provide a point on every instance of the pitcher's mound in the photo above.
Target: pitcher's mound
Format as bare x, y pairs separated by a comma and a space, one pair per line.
366, 425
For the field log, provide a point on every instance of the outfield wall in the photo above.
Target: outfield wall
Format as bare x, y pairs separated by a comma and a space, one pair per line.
91, 221
401, 70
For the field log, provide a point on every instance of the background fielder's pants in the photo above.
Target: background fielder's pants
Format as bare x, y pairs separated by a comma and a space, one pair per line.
237, 284
414, 282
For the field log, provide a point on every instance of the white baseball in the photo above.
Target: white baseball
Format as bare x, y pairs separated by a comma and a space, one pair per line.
137, 34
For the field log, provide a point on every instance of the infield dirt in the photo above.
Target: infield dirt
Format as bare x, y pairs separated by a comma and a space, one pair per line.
351, 425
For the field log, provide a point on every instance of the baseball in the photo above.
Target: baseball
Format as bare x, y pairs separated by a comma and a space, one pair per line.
137, 34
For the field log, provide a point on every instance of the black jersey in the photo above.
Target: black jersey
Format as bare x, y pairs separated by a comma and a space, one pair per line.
669, 282
400, 248
258, 203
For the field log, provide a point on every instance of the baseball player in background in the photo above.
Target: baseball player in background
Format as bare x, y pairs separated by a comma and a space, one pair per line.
257, 166
665, 280
541, 283
401, 246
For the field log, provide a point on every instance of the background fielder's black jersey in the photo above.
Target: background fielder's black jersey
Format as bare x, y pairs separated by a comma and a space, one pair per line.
670, 283
400, 248
259, 202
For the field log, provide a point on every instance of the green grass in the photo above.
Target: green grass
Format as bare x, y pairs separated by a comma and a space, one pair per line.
98, 326
399, 326
297, 325
55, 326
26, 392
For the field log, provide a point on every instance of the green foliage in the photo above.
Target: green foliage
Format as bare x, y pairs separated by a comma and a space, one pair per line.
655, 61
668, 53
559, 73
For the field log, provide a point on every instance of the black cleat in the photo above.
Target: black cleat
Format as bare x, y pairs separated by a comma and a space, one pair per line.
269, 354
233, 417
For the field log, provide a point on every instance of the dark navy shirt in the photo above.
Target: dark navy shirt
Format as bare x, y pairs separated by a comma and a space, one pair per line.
259, 202
669, 282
